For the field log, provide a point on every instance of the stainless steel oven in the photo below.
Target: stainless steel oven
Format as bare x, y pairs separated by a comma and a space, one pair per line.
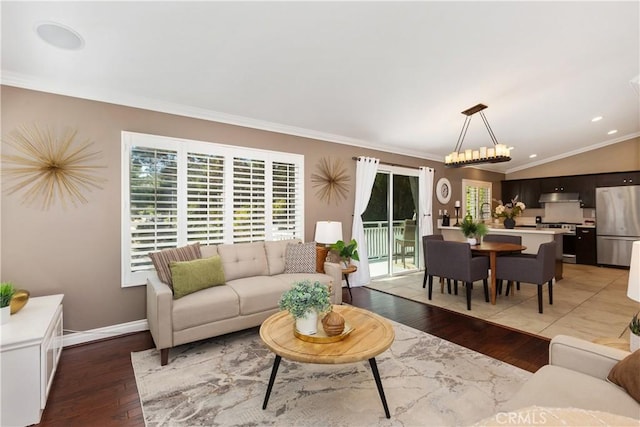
568, 240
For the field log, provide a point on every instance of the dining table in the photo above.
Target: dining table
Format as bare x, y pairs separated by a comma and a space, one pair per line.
493, 249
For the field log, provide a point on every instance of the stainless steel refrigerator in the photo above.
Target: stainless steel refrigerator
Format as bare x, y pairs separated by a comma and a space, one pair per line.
618, 223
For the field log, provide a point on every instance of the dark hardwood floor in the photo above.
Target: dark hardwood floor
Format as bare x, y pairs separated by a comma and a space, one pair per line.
95, 384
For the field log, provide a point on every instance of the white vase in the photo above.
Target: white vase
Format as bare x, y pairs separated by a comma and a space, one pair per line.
634, 341
472, 241
308, 324
5, 313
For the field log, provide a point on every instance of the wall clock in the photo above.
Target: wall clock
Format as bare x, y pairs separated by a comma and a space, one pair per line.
443, 190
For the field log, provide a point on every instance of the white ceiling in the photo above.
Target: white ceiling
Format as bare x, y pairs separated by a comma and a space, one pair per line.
387, 75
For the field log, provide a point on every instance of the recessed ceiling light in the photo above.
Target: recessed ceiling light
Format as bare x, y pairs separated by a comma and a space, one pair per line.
531, 156
511, 148
597, 119
611, 132
59, 35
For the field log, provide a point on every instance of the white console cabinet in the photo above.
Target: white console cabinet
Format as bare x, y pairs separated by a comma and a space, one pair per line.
31, 343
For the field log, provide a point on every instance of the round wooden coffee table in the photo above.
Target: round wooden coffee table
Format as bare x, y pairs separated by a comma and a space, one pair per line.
371, 335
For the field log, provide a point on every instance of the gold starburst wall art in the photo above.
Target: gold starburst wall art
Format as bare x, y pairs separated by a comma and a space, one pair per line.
46, 166
331, 180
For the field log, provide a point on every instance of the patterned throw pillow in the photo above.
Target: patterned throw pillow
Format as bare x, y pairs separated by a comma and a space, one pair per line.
300, 258
162, 259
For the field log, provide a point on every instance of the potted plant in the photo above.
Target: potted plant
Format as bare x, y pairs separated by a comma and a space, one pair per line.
634, 336
6, 293
473, 230
346, 251
304, 301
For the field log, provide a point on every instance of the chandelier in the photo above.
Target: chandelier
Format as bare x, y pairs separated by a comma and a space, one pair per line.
496, 154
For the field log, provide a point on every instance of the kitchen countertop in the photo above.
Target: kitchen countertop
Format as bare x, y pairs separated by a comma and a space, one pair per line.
516, 230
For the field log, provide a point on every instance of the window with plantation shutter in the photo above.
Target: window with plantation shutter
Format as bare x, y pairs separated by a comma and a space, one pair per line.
286, 218
205, 198
249, 201
153, 203
178, 192
477, 199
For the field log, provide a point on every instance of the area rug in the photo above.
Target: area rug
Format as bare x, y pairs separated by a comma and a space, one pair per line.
222, 382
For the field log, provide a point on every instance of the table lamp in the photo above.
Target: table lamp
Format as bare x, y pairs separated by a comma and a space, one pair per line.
327, 233
633, 287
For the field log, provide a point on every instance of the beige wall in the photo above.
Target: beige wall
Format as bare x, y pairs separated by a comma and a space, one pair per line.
76, 251
621, 157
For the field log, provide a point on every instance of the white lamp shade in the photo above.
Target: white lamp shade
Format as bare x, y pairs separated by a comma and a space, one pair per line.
633, 290
328, 232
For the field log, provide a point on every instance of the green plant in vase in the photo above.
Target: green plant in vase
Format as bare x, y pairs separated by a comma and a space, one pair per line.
6, 293
347, 251
305, 301
473, 230
634, 338
634, 325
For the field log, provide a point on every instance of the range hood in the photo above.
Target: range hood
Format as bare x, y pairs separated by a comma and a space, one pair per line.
559, 197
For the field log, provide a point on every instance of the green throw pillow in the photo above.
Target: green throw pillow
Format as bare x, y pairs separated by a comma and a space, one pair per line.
192, 276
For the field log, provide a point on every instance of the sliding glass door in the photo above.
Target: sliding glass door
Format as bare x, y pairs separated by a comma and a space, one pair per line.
391, 229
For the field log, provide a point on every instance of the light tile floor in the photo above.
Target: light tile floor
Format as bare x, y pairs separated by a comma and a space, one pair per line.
589, 302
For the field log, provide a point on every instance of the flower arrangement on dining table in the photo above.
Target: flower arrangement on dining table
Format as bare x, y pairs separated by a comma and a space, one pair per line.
509, 210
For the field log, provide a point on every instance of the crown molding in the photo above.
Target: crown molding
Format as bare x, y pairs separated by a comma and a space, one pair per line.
120, 98
575, 152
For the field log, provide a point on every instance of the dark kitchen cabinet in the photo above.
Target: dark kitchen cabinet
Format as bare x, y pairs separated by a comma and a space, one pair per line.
587, 189
527, 190
618, 179
561, 184
586, 245
530, 192
510, 189
584, 185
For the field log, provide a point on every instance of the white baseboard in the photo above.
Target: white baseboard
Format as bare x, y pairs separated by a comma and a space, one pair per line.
81, 337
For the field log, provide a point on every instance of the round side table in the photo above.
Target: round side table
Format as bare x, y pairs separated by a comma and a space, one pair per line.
345, 273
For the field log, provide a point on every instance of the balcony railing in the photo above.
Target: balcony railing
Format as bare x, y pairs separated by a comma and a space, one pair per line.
376, 234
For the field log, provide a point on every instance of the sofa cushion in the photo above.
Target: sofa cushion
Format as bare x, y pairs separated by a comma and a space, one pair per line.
300, 258
258, 293
193, 276
205, 306
290, 279
626, 374
276, 251
207, 251
162, 259
243, 260
555, 386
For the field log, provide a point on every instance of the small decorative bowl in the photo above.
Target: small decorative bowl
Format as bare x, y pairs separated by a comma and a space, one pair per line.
19, 300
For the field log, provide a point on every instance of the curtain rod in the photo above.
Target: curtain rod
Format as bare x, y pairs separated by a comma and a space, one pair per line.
396, 164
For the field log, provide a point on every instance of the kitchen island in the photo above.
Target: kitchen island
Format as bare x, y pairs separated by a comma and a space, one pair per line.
531, 238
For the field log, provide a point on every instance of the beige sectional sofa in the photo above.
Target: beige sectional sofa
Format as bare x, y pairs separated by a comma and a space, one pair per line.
255, 279
576, 377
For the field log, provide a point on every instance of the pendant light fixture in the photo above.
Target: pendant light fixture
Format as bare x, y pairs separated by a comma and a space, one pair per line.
496, 154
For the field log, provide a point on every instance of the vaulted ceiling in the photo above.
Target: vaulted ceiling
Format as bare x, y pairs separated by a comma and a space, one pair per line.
387, 75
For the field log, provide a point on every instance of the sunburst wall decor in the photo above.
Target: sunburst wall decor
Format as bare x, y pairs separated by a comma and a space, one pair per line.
331, 180
50, 166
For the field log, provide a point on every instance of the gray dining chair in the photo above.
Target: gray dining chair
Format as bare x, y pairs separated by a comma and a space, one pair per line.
438, 237
504, 238
536, 269
453, 260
